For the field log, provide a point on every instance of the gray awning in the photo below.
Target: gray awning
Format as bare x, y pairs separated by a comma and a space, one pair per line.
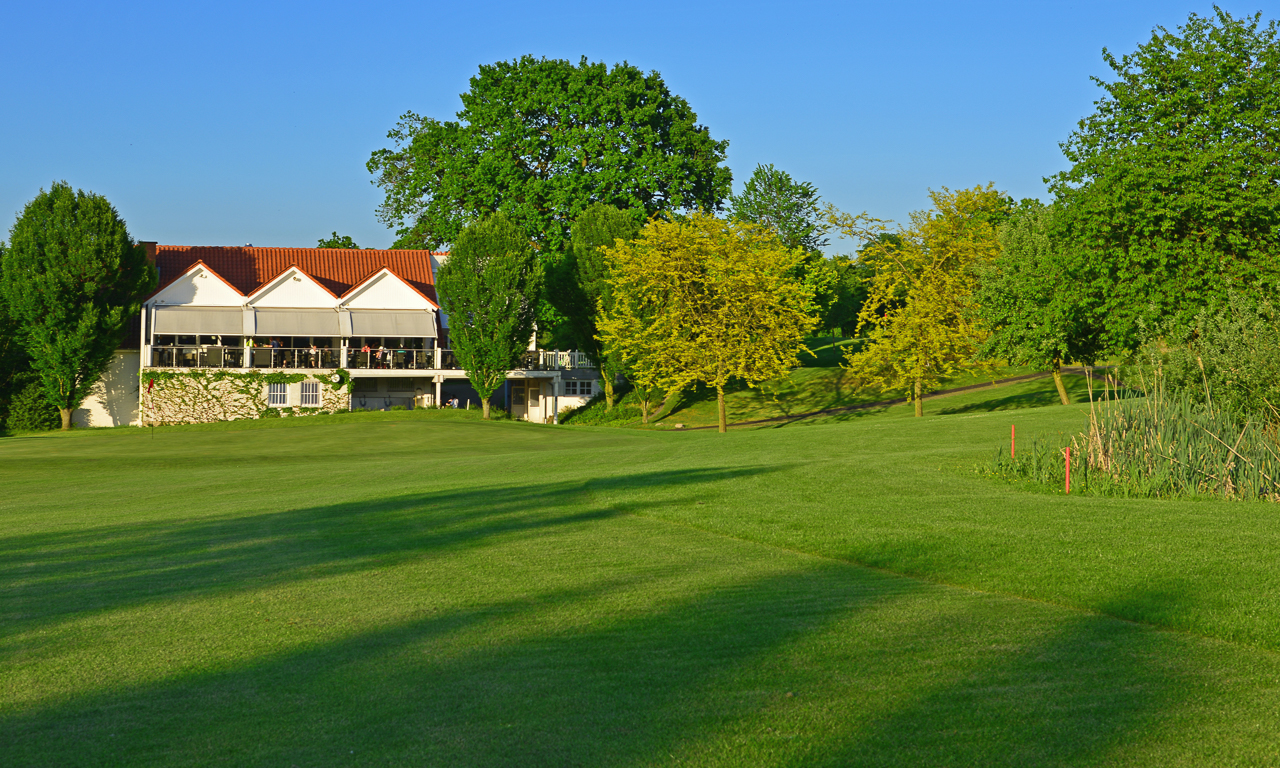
207, 321
297, 322
386, 322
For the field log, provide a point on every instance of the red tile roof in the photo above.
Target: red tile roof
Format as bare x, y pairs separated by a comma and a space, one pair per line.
247, 268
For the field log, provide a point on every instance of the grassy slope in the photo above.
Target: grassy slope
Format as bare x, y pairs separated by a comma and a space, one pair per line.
396, 589
805, 390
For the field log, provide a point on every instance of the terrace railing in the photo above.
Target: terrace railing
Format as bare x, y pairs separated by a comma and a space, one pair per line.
197, 357
303, 357
555, 360
392, 359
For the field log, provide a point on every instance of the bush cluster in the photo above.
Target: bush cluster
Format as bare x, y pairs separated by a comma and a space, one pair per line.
30, 410
1230, 359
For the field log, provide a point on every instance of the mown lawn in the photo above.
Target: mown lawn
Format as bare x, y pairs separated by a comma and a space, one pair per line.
401, 589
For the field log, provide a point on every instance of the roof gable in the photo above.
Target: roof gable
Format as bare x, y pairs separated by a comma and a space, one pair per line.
386, 290
338, 270
293, 288
199, 286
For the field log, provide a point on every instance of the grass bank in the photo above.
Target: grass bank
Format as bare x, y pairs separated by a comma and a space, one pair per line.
399, 588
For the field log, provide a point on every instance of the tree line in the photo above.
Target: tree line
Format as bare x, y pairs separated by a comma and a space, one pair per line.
587, 202
1171, 207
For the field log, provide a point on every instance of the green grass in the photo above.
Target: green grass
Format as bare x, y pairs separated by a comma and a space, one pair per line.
807, 390
407, 589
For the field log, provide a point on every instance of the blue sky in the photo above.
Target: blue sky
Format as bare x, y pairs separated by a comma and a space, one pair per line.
229, 123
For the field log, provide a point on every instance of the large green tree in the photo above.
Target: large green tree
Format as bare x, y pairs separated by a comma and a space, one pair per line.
794, 210
73, 278
489, 289
1173, 197
13, 352
1033, 300
540, 140
771, 198
582, 290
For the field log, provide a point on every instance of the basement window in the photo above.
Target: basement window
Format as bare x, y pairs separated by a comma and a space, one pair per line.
277, 395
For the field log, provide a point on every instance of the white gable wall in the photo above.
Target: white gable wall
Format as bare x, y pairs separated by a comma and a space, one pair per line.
293, 290
199, 288
386, 291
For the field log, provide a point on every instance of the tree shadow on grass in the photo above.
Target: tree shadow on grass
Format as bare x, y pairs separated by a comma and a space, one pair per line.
46, 578
612, 693
1074, 697
704, 680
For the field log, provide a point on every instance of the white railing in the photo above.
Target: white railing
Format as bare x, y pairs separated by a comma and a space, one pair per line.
555, 360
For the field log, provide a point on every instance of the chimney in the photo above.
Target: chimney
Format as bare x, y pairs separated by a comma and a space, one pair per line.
151, 246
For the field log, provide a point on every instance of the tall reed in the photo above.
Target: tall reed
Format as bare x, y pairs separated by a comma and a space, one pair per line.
1156, 444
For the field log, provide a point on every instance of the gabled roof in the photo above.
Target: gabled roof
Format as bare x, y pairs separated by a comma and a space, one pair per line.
247, 268
350, 292
275, 281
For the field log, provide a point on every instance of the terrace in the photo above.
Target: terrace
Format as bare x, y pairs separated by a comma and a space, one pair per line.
327, 353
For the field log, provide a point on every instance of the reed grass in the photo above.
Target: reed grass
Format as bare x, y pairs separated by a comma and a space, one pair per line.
1151, 442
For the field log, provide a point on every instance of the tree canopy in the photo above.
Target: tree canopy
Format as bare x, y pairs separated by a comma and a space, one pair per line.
540, 140
919, 298
1033, 299
73, 278
771, 198
582, 291
704, 300
489, 288
337, 241
1173, 197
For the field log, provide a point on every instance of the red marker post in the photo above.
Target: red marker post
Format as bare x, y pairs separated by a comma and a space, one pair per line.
1013, 439
1068, 470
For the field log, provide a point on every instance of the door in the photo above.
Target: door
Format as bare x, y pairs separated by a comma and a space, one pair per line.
535, 401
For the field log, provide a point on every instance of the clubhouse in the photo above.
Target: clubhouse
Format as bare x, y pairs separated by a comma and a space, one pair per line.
226, 322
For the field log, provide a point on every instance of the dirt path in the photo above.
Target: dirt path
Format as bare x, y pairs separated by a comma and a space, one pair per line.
896, 400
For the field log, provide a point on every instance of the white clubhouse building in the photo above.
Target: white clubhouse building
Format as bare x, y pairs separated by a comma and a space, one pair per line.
233, 331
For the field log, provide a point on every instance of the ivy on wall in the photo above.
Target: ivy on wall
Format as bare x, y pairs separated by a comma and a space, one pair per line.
204, 395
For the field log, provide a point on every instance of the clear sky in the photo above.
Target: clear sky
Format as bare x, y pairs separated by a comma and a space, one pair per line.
225, 123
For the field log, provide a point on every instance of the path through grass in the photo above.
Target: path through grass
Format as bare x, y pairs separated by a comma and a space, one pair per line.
388, 589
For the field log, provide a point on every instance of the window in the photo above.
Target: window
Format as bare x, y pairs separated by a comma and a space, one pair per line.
277, 394
365, 385
582, 388
311, 393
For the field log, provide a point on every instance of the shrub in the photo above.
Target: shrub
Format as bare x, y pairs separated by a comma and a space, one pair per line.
398, 408
31, 411
626, 410
1230, 360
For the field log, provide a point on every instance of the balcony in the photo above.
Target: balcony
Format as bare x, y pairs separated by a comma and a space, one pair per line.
301, 357
197, 357
554, 360
391, 359
207, 356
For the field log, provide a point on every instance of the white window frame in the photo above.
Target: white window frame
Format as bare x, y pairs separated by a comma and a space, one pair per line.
277, 395
581, 388
309, 399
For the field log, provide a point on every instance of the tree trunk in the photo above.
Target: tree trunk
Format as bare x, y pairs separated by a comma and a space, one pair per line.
644, 411
608, 393
918, 396
1057, 381
724, 419
65, 413
484, 406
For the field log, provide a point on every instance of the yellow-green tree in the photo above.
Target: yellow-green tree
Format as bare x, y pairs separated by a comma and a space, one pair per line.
704, 300
919, 303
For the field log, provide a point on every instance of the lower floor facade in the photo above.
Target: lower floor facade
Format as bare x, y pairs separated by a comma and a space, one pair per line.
132, 395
